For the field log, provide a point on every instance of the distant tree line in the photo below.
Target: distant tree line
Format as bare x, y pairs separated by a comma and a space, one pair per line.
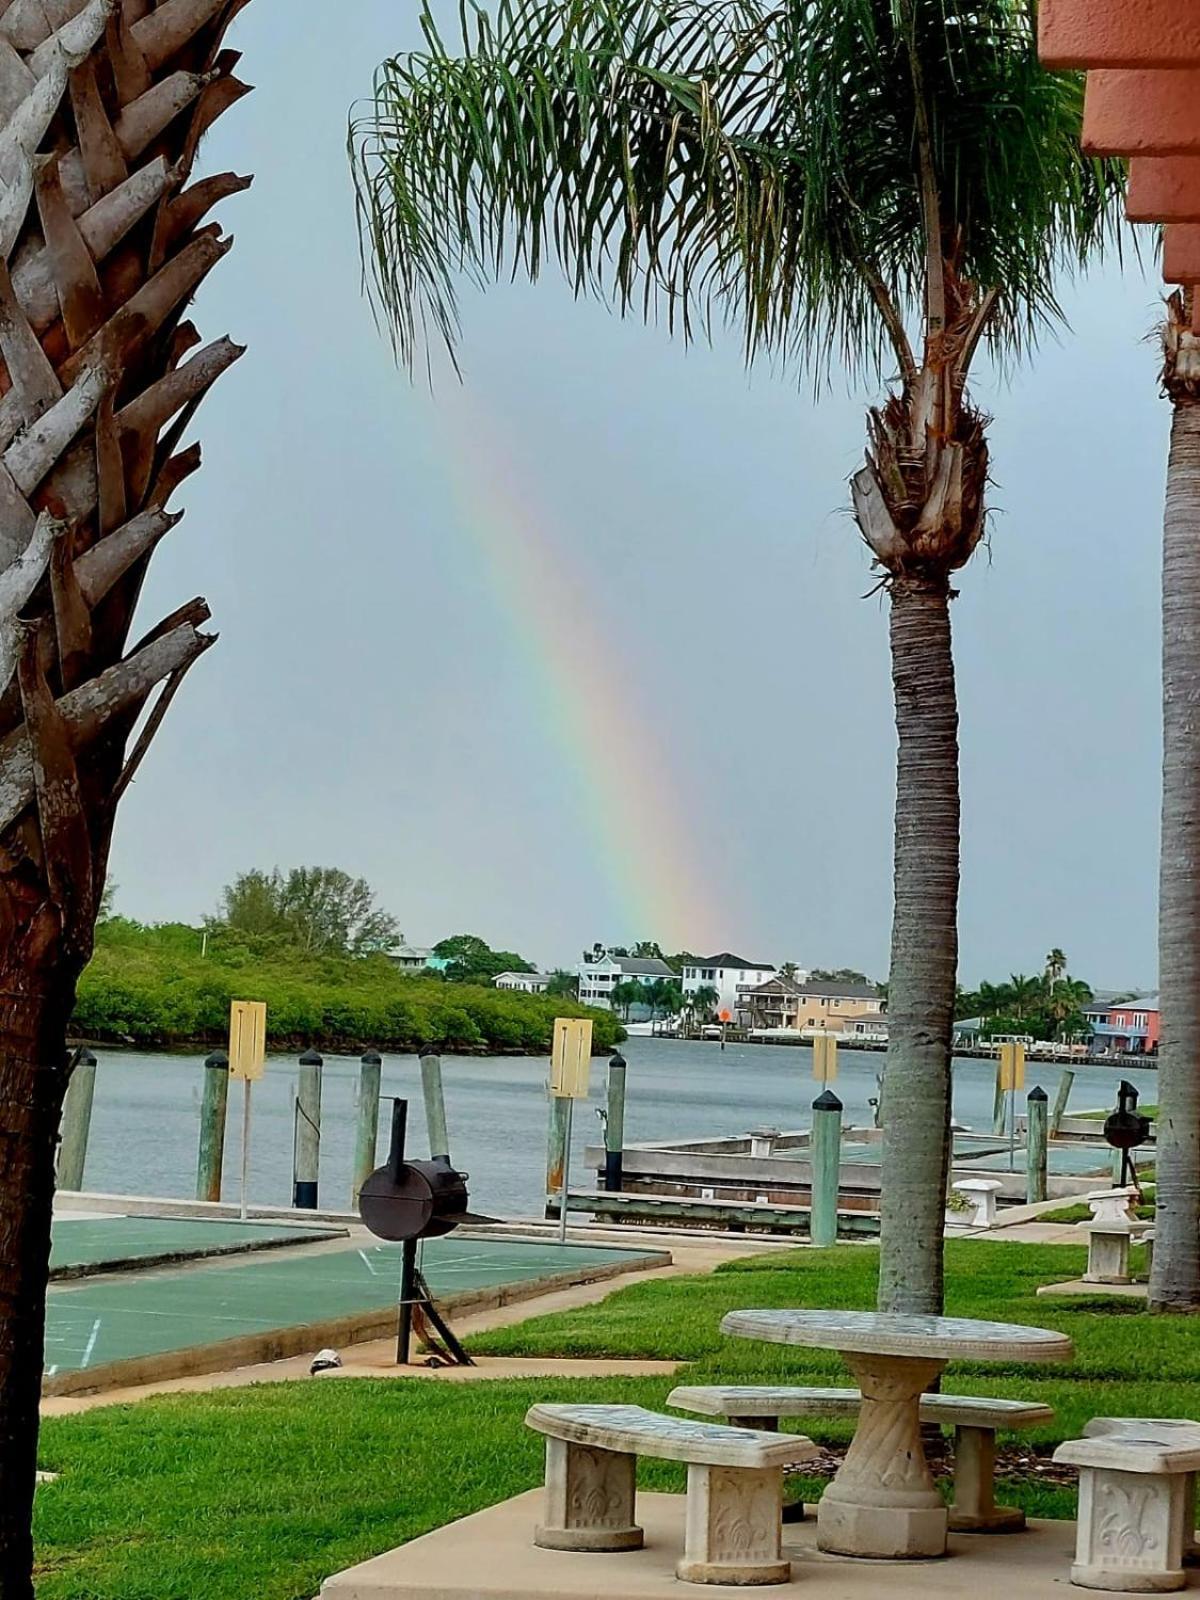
312, 943
1049, 1005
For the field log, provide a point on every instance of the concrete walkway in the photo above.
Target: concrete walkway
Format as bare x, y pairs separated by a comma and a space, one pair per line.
491, 1556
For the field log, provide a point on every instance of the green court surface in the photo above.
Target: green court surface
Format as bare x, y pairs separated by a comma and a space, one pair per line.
100, 1320
87, 1243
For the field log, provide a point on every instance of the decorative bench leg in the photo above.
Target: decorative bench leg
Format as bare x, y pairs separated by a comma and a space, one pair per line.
734, 1527
1131, 1531
975, 1509
1108, 1258
590, 1496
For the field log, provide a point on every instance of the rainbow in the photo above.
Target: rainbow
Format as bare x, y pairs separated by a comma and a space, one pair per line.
656, 882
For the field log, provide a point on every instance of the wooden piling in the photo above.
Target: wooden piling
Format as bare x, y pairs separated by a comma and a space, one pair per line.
306, 1158
1065, 1085
435, 1105
614, 1124
77, 1122
1036, 1159
213, 1107
826, 1148
370, 1083
556, 1152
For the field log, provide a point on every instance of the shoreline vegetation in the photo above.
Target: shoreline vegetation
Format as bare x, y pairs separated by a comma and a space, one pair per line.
168, 986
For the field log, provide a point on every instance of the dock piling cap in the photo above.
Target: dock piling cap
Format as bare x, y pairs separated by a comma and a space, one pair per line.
827, 1101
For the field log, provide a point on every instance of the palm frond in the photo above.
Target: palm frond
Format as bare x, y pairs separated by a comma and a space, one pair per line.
731, 162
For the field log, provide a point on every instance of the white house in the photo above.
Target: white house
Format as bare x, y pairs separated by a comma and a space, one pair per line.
524, 982
729, 975
410, 957
600, 976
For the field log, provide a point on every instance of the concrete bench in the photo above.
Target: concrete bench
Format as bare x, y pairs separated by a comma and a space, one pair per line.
980, 1194
1108, 1249
1133, 1508
974, 1419
734, 1494
1161, 1430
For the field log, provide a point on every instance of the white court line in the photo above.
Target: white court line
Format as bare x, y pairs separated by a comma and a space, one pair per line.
91, 1344
366, 1263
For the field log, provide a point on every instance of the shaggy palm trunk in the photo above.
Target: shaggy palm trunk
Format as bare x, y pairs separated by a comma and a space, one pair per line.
103, 243
1175, 1283
924, 962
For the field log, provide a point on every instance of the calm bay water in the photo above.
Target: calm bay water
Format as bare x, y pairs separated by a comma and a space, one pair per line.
145, 1126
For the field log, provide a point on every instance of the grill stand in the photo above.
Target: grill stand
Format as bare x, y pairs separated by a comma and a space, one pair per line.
418, 1309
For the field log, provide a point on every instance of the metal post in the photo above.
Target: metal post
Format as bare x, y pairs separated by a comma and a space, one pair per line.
566, 1173
1035, 1144
408, 1290
213, 1109
614, 1124
245, 1144
1065, 1084
999, 1107
556, 1148
435, 1106
825, 1147
307, 1159
1012, 1130
370, 1082
77, 1121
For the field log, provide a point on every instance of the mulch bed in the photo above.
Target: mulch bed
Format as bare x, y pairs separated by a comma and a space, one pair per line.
1012, 1461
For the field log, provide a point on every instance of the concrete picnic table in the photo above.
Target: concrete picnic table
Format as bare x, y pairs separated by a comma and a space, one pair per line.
883, 1501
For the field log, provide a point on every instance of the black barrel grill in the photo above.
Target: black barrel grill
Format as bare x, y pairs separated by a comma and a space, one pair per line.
405, 1202
1125, 1129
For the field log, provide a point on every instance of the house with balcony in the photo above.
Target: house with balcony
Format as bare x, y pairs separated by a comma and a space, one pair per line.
1123, 1027
599, 973
821, 1006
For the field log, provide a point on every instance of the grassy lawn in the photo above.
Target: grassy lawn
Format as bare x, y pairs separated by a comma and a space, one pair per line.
258, 1494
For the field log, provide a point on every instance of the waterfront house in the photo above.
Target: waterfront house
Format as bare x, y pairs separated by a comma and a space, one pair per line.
1123, 1027
819, 1006
411, 958
774, 1005
730, 975
524, 982
600, 973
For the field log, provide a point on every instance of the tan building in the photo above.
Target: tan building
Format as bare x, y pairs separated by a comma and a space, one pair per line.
814, 1007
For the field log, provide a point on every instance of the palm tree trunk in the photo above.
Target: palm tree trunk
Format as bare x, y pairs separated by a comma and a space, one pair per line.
33, 1079
1175, 1282
916, 1133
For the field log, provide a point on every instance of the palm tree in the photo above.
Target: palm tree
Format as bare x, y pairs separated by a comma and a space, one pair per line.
888, 184
788, 970
1175, 1276
625, 995
101, 249
1023, 994
1056, 965
703, 1001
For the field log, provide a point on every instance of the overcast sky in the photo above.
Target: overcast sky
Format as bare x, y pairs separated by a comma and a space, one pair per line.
579, 650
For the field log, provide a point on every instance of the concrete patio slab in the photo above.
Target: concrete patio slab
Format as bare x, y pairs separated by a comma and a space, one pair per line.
1080, 1286
491, 1556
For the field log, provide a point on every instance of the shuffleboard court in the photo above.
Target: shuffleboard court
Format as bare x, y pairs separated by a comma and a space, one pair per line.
101, 1320
80, 1243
